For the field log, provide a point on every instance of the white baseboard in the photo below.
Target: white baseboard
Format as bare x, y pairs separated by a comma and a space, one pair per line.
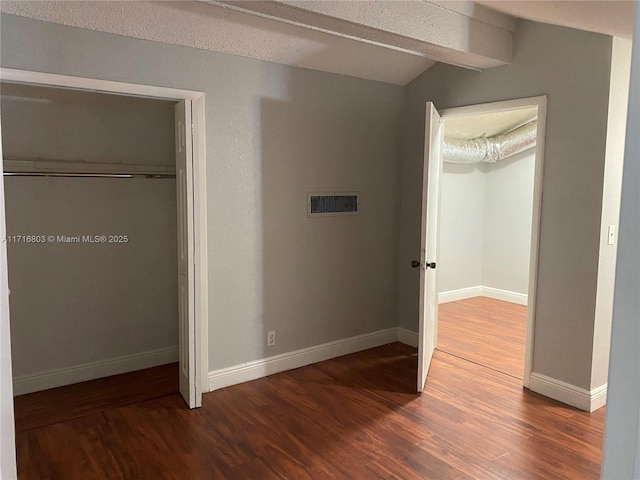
549, 387
505, 295
90, 371
482, 291
598, 397
589, 401
408, 337
586, 400
460, 294
245, 372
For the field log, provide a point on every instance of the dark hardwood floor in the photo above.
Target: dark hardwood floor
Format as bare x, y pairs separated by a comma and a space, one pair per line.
354, 417
62, 404
485, 331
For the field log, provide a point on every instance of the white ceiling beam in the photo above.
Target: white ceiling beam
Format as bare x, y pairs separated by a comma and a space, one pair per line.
455, 32
210, 27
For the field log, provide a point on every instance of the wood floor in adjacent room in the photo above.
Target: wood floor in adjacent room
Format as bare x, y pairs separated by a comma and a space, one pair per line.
486, 331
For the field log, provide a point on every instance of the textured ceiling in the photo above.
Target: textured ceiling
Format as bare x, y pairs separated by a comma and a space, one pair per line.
211, 27
439, 30
487, 124
611, 17
396, 42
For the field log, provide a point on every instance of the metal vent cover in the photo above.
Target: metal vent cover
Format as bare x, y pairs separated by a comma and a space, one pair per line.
332, 203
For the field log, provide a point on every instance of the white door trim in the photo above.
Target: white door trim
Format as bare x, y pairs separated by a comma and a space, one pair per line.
198, 179
541, 103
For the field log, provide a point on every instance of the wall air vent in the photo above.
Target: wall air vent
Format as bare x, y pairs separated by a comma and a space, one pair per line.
332, 204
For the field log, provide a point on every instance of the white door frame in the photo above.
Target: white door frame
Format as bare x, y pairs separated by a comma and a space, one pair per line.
198, 180
541, 103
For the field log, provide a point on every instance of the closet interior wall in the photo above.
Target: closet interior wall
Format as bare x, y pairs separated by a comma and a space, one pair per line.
92, 258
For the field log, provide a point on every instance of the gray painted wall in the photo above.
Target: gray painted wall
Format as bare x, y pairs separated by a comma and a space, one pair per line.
461, 226
76, 126
621, 456
273, 134
79, 303
485, 224
572, 68
508, 206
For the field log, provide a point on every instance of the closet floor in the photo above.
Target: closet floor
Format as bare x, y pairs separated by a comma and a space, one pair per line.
38, 409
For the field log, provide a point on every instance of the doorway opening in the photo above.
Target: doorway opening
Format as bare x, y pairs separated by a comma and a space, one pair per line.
188, 197
486, 209
481, 217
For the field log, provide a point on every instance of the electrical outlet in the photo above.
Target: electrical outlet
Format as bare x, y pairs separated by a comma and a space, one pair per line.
271, 338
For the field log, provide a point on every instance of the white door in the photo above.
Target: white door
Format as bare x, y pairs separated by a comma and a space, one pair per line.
432, 173
189, 389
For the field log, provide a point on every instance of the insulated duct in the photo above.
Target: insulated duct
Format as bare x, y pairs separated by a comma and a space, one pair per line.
491, 149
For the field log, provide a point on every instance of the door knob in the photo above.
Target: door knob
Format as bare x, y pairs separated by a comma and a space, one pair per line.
416, 264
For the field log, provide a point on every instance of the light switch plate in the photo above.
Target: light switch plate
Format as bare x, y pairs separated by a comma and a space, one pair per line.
611, 236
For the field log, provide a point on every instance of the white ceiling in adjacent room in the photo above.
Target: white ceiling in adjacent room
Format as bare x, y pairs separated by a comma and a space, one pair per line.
469, 127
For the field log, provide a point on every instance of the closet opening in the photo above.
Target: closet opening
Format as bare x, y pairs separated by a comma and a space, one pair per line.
92, 233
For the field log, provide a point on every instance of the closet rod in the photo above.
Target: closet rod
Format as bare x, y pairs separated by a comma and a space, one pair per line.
90, 175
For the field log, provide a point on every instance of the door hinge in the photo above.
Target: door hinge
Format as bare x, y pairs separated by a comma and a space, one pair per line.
193, 130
